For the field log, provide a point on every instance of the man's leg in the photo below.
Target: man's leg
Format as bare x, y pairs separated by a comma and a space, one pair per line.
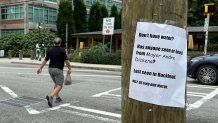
58, 77
58, 98
57, 95
56, 90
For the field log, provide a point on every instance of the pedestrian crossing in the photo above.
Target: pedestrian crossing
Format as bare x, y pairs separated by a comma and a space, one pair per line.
21, 101
202, 93
29, 103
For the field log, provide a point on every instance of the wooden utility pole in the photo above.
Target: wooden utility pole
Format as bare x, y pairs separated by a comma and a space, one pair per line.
155, 10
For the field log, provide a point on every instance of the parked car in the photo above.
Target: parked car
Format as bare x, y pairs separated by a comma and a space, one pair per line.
204, 69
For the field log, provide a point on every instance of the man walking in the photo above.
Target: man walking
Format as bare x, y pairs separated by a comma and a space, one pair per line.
57, 56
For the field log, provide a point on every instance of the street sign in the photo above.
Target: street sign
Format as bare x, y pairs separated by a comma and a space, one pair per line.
108, 26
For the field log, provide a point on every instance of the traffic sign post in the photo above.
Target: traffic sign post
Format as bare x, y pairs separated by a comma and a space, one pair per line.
108, 29
208, 10
206, 26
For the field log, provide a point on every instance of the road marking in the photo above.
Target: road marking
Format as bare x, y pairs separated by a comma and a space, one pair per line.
33, 111
203, 100
89, 116
202, 86
95, 111
9, 91
196, 94
50, 109
30, 110
116, 95
197, 104
13, 95
106, 92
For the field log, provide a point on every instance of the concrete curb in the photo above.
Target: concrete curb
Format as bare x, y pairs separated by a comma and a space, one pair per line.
75, 66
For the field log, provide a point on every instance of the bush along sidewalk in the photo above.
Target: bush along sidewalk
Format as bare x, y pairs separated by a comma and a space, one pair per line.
97, 55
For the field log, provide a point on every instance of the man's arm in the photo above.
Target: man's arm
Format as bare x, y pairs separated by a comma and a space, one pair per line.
39, 70
67, 62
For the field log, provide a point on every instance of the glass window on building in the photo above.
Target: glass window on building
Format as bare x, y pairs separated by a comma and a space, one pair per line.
43, 15
12, 12
54, 1
109, 5
88, 3
119, 6
102, 1
14, 31
50, 16
30, 13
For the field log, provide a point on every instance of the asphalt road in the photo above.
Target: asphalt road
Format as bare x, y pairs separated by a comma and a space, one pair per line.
94, 97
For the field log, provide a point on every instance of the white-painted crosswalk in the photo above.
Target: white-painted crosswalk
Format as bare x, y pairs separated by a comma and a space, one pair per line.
203, 97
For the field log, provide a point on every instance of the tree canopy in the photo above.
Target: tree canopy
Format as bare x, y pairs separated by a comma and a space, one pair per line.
65, 17
115, 14
195, 13
80, 21
16, 42
95, 17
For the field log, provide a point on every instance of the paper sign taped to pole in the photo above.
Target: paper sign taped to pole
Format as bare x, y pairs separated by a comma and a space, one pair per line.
159, 64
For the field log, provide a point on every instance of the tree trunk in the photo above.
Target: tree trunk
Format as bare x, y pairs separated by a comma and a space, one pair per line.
157, 10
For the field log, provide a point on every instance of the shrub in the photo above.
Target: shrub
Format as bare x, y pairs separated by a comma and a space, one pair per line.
192, 54
112, 59
93, 55
73, 57
13, 42
16, 42
98, 55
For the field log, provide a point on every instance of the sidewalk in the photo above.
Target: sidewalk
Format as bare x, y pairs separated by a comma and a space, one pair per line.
73, 64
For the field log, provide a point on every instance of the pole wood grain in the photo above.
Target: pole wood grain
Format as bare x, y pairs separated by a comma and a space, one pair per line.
156, 10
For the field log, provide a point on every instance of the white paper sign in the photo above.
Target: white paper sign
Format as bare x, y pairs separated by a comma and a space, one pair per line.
108, 26
159, 63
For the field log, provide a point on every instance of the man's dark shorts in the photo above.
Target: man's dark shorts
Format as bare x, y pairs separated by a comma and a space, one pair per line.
57, 75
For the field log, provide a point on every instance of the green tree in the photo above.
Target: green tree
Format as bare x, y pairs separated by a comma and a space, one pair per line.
115, 14
120, 19
80, 16
16, 42
95, 21
195, 13
196, 17
104, 13
31, 38
12, 42
65, 16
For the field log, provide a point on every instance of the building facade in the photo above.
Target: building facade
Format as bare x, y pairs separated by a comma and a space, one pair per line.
107, 3
20, 16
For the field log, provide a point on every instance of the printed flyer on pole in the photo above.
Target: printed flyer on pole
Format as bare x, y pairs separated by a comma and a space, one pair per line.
159, 64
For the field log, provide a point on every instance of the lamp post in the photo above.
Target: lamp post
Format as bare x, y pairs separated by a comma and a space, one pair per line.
39, 42
66, 38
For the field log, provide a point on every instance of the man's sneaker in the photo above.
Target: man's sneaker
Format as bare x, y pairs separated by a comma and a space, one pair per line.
58, 99
49, 99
